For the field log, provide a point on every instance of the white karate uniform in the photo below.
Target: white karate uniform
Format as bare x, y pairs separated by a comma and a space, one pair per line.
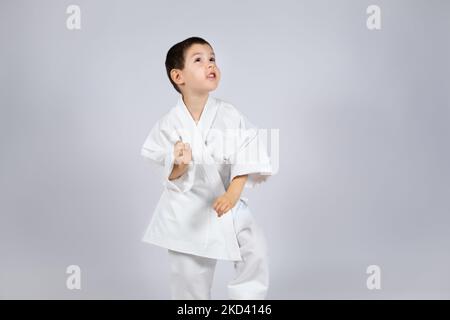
191, 276
224, 145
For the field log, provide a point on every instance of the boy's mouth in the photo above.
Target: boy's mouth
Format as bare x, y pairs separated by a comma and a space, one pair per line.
211, 75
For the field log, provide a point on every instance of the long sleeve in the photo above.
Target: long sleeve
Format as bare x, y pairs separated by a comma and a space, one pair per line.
158, 148
251, 157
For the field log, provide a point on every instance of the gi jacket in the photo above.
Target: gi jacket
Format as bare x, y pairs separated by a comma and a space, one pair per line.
224, 145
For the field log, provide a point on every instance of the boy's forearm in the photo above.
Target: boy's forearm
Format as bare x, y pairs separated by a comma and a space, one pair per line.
236, 186
178, 170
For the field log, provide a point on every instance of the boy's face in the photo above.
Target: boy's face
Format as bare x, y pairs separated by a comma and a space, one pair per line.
200, 74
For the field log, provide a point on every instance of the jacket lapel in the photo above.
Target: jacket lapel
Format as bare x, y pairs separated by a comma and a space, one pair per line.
206, 118
196, 135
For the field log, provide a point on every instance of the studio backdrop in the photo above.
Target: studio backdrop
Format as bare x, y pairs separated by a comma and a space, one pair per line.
357, 92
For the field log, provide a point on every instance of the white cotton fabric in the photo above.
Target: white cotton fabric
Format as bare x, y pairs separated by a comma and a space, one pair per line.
224, 145
191, 276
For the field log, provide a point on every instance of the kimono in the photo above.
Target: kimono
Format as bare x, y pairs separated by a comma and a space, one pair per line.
224, 145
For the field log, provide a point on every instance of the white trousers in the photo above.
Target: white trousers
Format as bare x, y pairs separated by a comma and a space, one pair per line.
191, 276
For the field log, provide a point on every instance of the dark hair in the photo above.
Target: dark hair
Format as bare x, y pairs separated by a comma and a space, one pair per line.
176, 55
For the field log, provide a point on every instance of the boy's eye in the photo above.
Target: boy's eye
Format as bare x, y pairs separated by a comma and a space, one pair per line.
211, 59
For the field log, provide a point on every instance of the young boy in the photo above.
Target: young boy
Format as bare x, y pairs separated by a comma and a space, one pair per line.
209, 153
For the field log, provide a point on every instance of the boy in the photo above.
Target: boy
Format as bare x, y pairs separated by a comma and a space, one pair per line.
209, 153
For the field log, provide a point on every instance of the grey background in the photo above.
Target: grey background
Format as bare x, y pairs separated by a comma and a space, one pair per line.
364, 142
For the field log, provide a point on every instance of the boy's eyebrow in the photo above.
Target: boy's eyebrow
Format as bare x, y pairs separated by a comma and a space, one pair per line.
212, 53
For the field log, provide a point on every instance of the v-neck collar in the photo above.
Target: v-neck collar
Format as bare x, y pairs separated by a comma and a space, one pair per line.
206, 118
186, 109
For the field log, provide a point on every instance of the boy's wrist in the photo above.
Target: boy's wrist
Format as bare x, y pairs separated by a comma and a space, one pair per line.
178, 170
180, 166
235, 188
233, 196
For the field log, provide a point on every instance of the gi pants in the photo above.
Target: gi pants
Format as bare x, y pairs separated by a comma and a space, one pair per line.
191, 276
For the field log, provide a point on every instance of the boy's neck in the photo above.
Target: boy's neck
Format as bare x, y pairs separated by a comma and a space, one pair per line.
195, 104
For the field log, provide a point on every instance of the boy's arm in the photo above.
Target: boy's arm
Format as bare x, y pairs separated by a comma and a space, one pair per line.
235, 188
229, 199
183, 156
178, 170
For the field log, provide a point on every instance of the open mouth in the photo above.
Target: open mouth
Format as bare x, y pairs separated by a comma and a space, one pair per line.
212, 75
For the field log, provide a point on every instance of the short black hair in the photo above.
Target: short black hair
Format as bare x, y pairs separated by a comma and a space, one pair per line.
176, 55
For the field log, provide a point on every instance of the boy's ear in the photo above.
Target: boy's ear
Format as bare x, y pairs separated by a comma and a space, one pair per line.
177, 76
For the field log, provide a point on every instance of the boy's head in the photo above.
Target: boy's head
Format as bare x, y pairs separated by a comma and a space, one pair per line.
191, 66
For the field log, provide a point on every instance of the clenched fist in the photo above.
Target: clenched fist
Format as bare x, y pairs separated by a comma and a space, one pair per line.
182, 153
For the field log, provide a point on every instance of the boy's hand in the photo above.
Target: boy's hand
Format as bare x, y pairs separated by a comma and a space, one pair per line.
182, 152
224, 203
